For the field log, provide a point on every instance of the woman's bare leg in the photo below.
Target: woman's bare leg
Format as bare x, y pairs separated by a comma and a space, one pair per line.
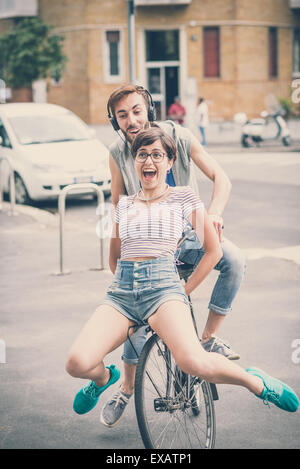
103, 332
173, 323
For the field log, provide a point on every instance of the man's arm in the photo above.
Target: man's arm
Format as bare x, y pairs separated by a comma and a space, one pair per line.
222, 185
117, 182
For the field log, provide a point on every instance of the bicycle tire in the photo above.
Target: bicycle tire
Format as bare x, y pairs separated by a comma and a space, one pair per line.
169, 413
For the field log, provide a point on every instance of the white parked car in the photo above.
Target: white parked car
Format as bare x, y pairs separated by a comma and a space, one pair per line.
48, 147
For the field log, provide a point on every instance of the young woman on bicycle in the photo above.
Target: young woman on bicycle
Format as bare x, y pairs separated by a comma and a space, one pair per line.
147, 288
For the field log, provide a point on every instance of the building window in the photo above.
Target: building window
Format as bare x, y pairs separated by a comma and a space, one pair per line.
113, 40
296, 53
112, 58
273, 52
162, 45
211, 52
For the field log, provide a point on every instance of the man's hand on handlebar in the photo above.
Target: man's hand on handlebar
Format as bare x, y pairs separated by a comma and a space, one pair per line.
218, 224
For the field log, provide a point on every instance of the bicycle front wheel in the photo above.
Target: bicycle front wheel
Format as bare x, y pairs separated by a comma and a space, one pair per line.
173, 410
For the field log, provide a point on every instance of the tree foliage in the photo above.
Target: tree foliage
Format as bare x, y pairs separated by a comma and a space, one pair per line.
29, 52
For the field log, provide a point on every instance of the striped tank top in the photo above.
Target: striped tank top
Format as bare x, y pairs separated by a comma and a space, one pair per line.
153, 230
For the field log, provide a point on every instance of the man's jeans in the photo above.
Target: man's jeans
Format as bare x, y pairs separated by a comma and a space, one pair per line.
231, 268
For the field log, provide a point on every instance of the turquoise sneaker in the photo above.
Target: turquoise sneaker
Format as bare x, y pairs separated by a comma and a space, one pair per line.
88, 396
276, 391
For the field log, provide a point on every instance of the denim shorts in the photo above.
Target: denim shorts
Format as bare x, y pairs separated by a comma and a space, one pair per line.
139, 288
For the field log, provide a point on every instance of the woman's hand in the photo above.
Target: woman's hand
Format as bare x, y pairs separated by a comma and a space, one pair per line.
218, 223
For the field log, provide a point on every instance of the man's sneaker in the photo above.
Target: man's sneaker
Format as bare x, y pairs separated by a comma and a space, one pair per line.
276, 391
217, 345
113, 410
88, 396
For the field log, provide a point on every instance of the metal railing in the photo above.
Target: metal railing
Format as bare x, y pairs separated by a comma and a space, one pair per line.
78, 189
12, 191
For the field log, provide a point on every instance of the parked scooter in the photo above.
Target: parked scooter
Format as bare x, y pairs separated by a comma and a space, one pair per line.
271, 126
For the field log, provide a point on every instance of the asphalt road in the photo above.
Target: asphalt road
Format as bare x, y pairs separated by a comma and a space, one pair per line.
41, 315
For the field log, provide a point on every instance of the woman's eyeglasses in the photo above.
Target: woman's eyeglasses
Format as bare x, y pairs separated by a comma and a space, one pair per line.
156, 156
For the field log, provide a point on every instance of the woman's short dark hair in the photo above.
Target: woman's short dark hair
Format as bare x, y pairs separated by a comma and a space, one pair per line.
148, 136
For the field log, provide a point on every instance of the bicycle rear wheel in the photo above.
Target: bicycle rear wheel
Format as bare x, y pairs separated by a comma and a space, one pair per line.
174, 410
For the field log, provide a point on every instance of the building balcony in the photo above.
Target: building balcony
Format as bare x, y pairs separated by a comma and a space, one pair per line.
17, 8
145, 3
294, 3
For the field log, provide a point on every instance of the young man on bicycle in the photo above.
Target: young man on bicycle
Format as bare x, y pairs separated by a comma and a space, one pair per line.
130, 110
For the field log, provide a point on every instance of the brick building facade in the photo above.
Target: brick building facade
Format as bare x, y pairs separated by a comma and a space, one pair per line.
232, 52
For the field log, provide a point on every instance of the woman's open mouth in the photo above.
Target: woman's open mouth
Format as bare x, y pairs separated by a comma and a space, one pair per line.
149, 174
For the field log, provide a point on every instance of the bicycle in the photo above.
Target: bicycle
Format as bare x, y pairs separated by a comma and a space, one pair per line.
173, 409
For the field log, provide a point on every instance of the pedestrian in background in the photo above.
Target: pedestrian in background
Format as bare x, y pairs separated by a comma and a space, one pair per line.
177, 111
202, 119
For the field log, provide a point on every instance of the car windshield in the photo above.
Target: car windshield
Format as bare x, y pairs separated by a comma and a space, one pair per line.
47, 129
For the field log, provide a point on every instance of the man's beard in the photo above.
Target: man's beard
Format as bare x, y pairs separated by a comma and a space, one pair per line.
147, 125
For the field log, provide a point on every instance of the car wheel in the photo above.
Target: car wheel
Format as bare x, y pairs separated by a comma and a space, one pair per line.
287, 141
245, 141
21, 192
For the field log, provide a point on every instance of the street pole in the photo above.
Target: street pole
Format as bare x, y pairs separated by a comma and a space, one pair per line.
131, 40
2, 91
